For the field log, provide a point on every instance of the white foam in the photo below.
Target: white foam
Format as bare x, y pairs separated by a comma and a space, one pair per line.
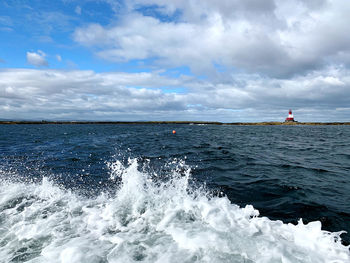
151, 222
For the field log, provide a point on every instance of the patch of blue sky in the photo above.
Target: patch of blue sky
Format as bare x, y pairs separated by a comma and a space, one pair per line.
14, 49
83, 59
159, 13
202, 77
45, 25
50, 32
48, 26
219, 67
44, 21
93, 11
166, 90
177, 90
235, 110
224, 70
73, 58
97, 12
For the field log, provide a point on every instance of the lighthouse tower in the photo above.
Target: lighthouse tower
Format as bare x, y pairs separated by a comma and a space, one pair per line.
290, 117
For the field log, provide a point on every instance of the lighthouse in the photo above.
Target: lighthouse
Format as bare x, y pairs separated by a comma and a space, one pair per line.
290, 117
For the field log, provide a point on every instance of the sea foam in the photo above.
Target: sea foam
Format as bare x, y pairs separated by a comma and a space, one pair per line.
150, 220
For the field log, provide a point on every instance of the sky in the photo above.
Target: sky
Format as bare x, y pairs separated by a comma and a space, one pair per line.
185, 60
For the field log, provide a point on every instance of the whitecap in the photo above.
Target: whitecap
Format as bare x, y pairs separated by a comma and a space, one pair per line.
150, 221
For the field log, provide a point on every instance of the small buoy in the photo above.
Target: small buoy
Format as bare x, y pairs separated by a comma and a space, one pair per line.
174, 131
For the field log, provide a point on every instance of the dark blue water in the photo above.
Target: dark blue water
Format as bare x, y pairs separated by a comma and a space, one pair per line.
286, 172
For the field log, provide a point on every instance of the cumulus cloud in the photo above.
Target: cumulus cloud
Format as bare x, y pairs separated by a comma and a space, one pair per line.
249, 61
274, 38
37, 59
87, 95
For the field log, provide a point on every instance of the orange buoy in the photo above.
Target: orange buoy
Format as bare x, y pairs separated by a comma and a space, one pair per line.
174, 131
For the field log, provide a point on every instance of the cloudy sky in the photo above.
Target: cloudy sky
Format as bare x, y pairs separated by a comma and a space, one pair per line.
225, 60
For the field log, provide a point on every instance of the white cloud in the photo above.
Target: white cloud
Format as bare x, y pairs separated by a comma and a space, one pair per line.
255, 58
76, 95
37, 59
273, 38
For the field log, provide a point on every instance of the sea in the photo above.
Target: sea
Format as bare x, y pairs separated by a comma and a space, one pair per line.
208, 193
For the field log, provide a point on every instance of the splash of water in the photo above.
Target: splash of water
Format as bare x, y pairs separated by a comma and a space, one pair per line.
149, 220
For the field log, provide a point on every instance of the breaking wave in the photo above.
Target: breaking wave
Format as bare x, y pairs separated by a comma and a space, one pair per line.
149, 219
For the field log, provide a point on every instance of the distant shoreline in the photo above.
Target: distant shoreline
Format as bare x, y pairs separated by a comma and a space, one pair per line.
176, 122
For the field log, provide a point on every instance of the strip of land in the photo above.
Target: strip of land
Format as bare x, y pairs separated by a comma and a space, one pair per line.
175, 122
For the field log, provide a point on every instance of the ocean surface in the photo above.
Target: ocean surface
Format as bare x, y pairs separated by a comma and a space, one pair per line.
138, 193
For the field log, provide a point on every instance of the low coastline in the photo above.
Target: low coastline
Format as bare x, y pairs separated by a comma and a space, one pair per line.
176, 122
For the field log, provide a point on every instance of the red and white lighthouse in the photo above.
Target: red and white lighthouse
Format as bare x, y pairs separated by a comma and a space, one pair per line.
290, 116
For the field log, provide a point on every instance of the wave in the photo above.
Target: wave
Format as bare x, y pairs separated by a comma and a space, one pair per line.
149, 219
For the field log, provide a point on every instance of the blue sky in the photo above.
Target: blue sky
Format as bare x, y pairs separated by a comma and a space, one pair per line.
29, 26
175, 60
